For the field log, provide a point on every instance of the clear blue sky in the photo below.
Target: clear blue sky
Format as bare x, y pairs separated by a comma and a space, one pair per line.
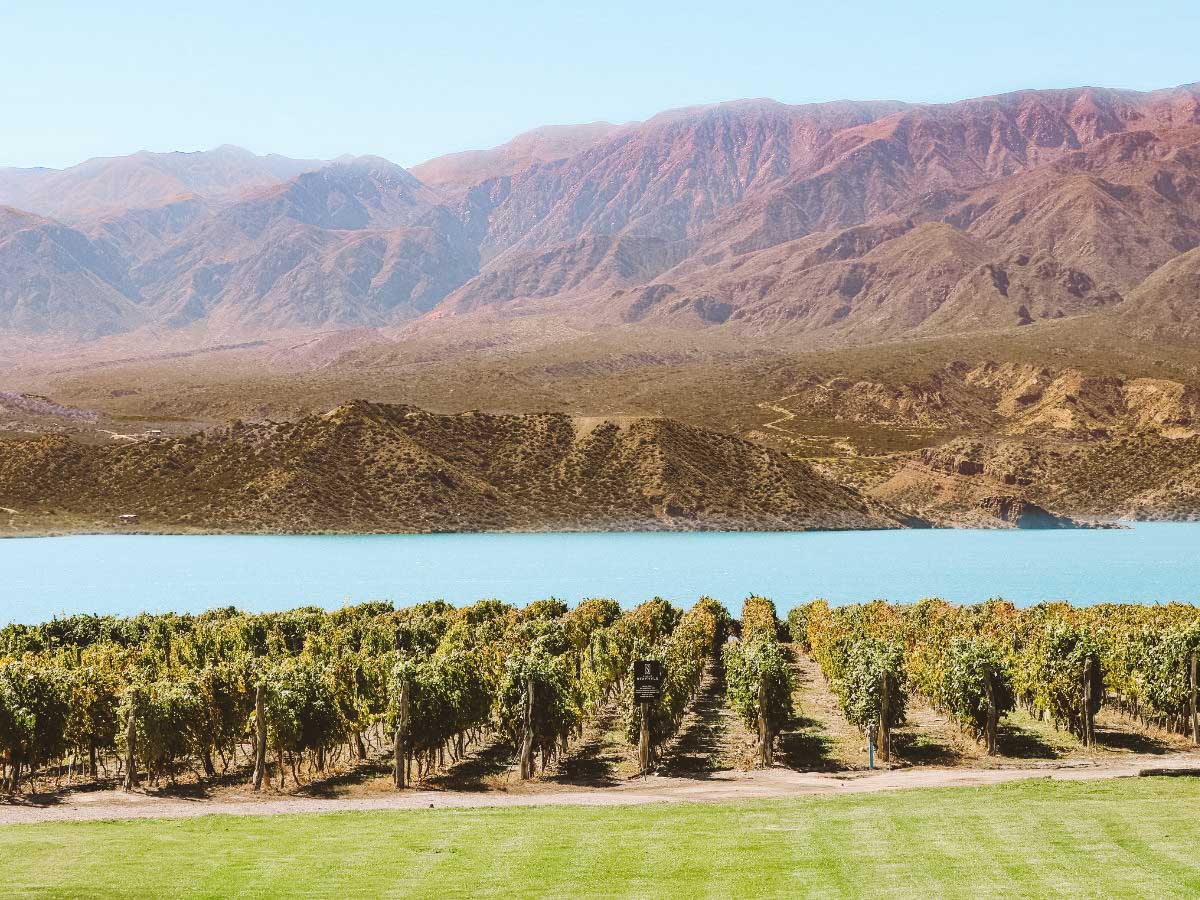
410, 81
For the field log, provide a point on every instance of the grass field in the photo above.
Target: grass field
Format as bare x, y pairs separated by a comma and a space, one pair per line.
1123, 837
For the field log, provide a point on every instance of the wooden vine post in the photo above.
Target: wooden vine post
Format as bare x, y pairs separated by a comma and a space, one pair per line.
1195, 698
527, 735
885, 719
260, 735
1089, 711
644, 738
990, 727
131, 775
766, 750
400, 747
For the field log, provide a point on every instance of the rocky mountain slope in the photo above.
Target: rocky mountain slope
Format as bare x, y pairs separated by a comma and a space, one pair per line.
827, 224
55, 280
456, 173
1010, 399
1142, 476
1167, 304
372, 467
1076, 399
143, 180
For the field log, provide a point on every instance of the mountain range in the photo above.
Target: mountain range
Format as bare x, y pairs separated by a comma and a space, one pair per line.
842, 223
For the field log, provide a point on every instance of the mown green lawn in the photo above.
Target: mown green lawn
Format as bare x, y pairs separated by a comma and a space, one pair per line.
1126, 837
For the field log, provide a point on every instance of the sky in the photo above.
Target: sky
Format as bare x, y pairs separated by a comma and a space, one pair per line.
409, 82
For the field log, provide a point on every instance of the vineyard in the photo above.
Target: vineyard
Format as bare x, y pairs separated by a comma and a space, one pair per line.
290, 697
977, 664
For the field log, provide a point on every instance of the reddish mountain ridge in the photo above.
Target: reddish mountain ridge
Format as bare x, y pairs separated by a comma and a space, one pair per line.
1096, 188
458, 172
144, 180
828, 223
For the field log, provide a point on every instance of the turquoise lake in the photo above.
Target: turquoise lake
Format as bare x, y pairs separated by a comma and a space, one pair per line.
43, 577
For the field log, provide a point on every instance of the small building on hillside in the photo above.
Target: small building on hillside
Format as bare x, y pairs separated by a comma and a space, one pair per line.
127, 519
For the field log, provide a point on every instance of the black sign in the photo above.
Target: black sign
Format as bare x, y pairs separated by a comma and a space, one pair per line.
647, 680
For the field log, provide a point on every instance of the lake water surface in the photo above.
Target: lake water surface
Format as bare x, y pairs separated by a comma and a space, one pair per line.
42, 577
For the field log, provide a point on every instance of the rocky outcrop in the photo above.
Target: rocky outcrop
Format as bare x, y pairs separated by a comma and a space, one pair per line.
1019, 513
966, 481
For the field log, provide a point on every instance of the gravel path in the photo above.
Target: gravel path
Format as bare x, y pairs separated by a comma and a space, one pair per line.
729, 785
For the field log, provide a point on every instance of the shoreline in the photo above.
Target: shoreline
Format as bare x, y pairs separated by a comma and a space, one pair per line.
1096, 525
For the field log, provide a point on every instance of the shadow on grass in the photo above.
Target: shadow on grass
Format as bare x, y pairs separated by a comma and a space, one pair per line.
1131, 741
696, 750
1022, 743
807, 746
924, 750
471, 773
199, 789
331, 786
60, 794
593, 763
39, 799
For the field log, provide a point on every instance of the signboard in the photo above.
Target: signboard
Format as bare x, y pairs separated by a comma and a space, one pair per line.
647, 680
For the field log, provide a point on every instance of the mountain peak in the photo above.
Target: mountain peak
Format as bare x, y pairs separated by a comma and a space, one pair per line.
366, 161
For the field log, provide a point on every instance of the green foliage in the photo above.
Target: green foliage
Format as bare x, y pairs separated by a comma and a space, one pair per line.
302, 710
226, 702
759, 621
1051, 670
34, 710
332, 679
760, 670
797, 626
1146, 651
871, 663
552, 608
447, 695
92, 717
684, 654
954, 653
758, 674
555, 713
721, 618
653, 620
970, 664
167, 718
1164, 661
859, 662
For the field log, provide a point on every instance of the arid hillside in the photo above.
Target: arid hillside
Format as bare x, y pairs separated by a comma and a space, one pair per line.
1135, 477
370, 467
870, 291
1081, 400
